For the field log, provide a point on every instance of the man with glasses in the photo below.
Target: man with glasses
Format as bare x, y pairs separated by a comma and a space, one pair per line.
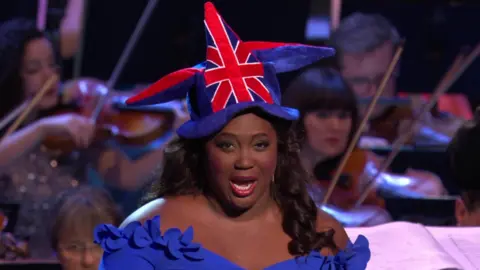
366, 44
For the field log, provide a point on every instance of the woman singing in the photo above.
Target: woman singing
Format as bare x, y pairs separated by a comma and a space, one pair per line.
233, 193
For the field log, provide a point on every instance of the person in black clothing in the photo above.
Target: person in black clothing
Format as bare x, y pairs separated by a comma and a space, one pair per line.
465, 170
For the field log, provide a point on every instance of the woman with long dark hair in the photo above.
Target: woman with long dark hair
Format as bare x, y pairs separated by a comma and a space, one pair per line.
328, 120
233, 192
30, 175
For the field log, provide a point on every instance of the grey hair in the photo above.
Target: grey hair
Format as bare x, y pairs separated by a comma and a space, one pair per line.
361, 32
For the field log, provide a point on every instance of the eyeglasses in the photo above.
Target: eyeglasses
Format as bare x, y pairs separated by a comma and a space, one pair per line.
367, 82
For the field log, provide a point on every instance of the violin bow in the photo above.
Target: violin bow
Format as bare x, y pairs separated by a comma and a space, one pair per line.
335, 14
147, 12
31, 105
13, 114
364, 122
77, 65
458, 67
42, 14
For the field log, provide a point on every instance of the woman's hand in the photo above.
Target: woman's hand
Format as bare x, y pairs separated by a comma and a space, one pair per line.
79, 128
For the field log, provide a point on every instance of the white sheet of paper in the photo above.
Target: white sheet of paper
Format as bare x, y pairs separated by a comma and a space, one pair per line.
462, 243
403, 245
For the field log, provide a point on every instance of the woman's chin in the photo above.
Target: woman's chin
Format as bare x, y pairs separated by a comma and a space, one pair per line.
242, 204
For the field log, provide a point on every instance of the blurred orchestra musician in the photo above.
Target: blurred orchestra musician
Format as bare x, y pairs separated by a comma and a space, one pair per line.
31, 175
31, 172
365, 45
328, 120
74, 217
462, 151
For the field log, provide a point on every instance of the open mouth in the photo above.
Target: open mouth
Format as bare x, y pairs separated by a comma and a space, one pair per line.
243, 187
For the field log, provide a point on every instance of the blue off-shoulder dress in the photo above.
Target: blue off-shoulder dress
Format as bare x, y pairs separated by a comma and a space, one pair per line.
144, 247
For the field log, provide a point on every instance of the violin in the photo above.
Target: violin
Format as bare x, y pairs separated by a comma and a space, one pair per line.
3, 221
349, 186
435, 128
362, 166
387, 124
10, 247
362, 216
133, 126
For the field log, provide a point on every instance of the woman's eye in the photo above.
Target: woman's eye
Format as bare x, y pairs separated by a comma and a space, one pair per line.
343, 115
74, 247
225, 145
323, 114
32, 70
261, 145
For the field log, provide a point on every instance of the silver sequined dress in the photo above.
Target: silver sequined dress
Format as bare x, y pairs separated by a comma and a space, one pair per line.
34, 181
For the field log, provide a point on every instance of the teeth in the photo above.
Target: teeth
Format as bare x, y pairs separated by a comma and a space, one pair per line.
243, 187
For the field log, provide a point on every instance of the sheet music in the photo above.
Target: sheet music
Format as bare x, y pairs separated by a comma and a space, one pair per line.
403, 245
462, 243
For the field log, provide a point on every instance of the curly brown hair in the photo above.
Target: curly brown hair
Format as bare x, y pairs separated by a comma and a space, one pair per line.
14, 36
184, 174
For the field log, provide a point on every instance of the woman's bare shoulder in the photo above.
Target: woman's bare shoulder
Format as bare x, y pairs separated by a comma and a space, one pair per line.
146, 212
169, 209
326, 222
158, 207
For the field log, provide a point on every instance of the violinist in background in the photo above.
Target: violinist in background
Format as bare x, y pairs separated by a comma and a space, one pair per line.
125, 170
365, 45
463, 151
32, 174
329, 118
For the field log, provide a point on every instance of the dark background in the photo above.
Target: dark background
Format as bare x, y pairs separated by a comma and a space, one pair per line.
435, 32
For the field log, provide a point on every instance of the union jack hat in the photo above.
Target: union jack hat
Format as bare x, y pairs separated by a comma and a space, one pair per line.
236, 76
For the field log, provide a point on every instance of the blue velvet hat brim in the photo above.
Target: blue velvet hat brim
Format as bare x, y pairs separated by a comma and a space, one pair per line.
214, 123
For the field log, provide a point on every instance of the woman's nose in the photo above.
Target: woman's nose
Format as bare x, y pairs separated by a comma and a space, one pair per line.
334, 122
244, 160
89, 258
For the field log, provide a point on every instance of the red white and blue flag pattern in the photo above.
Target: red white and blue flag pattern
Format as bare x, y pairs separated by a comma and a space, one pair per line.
233, 74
